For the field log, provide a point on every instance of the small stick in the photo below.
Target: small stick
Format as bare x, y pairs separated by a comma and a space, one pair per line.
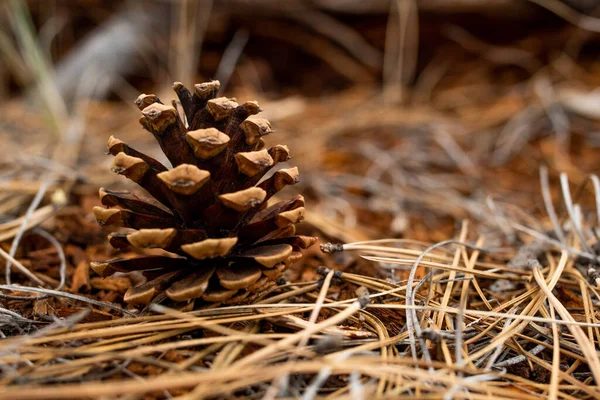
15, 244
20, 267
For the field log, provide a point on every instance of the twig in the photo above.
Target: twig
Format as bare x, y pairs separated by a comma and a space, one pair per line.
548, 203
15, 244
61, 255
21, 268
575, 222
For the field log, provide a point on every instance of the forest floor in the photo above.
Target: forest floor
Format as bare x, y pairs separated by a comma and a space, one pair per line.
466, 209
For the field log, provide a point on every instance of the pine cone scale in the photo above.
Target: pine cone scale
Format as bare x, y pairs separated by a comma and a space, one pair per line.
168, 129
148, 263
127, 200
238, 276
144, 293
116, 146
192, 286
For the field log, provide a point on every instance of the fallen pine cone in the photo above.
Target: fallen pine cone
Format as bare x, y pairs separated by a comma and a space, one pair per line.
209, 212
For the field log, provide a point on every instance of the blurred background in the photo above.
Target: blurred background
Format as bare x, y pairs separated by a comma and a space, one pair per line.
404, 116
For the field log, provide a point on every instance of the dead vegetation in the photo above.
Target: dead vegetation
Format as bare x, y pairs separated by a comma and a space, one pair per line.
455, 195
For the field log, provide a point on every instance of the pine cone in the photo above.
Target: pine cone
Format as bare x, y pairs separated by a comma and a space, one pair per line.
209, 212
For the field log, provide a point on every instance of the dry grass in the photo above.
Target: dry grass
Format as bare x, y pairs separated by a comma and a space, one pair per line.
460, 343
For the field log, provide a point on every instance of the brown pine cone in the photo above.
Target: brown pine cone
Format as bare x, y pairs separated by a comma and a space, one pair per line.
209, 212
